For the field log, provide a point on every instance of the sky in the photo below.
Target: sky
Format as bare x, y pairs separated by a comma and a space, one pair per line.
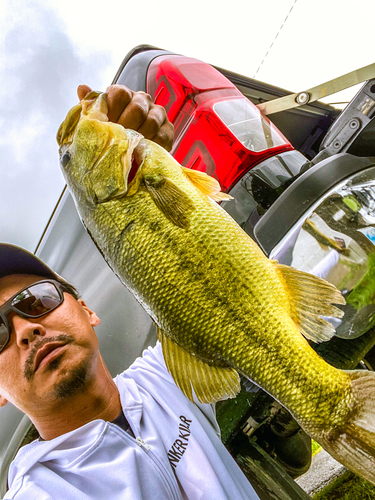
49, 48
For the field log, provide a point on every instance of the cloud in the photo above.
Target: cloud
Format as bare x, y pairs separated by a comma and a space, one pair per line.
40, 69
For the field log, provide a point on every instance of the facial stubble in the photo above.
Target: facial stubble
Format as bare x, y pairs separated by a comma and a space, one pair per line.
72, 381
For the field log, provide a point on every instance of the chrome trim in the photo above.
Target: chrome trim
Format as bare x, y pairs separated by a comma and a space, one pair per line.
335, 240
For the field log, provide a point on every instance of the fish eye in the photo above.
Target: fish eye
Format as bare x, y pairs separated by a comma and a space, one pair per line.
65, 159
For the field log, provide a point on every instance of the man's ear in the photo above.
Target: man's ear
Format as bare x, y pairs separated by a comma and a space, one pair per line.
3, 401
94, 320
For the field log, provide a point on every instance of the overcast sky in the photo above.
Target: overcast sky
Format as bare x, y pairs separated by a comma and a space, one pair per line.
48, 48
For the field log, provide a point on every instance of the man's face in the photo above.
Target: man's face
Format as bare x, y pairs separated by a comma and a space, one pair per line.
47, 359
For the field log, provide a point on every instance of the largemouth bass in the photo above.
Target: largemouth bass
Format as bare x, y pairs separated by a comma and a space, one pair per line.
221, 307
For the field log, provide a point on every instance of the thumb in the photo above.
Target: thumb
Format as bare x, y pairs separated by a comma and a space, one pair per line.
82, 91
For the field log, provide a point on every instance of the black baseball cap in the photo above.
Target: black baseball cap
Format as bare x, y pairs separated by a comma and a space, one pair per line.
17, 260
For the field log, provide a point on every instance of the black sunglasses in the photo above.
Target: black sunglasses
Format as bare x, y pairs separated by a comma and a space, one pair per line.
33, 301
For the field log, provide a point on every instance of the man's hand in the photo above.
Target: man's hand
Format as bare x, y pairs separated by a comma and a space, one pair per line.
135, 110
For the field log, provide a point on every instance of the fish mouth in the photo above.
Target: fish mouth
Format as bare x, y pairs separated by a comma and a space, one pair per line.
44, 351
94, 103
137, 156
133, 170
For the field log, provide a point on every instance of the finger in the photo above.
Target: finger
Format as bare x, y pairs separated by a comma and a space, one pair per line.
82, 91
135, 114
153, 122
119, 98
165, 136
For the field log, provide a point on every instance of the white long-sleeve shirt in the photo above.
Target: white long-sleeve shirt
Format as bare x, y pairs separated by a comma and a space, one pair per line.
177, 453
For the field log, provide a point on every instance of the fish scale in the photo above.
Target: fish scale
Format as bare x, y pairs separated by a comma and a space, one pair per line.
220, 305
159, 291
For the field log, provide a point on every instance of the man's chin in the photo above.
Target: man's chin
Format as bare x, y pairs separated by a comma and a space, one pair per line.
74, 381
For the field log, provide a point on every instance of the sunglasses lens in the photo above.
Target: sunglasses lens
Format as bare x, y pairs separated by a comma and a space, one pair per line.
37, 300
4, 334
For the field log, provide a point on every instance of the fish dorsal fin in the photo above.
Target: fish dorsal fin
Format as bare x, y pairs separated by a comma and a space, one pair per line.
206, 184
169, 198
210, 383
312, 297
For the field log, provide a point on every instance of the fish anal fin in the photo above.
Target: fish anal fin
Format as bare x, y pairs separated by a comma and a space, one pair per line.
206, 184
210, 383
170, 199
312, 297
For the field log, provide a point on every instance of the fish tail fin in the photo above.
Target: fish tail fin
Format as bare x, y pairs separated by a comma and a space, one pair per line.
354, 443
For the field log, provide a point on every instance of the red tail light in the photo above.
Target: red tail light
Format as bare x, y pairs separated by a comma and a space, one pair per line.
217, 129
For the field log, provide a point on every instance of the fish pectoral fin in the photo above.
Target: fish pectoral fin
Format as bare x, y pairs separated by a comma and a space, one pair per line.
170, 199
206, 184
210, 383
311, 298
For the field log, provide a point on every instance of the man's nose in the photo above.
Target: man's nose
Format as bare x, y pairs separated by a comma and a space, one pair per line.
26, 330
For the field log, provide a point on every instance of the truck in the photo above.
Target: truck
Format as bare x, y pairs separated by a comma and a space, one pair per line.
303, 184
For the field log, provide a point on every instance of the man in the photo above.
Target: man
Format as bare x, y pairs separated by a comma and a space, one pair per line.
134, 437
